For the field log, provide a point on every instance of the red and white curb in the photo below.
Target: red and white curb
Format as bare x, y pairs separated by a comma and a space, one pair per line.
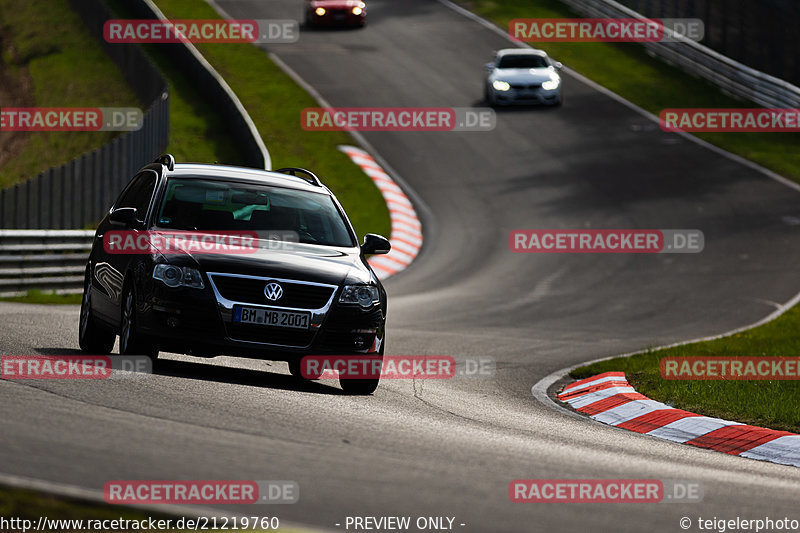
406, 235
610, 399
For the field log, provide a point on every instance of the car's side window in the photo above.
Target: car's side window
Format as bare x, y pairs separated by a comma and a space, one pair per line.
138, 193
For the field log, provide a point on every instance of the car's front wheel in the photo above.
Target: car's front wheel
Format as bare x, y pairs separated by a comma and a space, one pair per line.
92, 337
361, 387
131, 340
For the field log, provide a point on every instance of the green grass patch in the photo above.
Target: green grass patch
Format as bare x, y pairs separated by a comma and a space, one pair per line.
48, 53
629, 71
197, 132
762, 403
275, 101
35, 296
31, 505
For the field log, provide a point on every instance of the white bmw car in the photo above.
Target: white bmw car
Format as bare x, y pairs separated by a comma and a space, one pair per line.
522, 76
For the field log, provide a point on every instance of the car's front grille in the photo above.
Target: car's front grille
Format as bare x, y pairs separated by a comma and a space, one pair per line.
251, 290
299, 338
526, 86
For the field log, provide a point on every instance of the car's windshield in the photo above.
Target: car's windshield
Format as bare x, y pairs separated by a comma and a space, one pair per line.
208, 205
522, 61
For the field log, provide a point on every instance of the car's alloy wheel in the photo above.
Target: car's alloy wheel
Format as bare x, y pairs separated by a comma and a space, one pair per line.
92, 337
131, 342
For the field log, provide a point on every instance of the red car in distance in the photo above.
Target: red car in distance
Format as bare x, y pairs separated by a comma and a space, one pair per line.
330, 13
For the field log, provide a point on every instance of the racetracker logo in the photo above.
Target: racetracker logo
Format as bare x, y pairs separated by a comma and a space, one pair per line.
606, 241
70, 119
72, 366
377, 366
177, 242
201, 492
730, 368
397, 119
606, 30
604, 491
201, 31
730, 120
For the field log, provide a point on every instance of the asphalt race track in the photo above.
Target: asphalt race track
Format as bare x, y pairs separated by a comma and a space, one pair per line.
451, 447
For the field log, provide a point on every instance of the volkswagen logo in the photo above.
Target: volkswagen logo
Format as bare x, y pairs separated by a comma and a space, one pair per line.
273, 291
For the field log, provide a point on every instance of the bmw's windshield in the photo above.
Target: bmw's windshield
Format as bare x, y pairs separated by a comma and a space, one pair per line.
209, 205
522, 61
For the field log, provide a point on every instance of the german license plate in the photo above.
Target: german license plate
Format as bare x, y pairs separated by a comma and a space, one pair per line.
271, 317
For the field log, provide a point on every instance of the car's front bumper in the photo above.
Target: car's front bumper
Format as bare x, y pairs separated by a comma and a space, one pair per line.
200, 322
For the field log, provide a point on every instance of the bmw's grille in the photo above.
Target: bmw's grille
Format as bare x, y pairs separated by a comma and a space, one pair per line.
250, 290
526, 86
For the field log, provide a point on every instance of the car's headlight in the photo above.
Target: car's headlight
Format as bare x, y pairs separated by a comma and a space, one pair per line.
320, 11
500, 85
364, 295
357, 10
551, 85
174, 276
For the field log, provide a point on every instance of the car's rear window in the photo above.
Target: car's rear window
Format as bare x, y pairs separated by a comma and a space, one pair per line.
522, 61
209, 205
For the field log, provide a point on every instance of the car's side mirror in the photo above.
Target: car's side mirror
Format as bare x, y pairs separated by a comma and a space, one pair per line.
558, 65
126, 216
375, 244
489, 66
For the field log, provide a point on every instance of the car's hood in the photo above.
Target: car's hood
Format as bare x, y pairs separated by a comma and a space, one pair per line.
307, 262
522, 75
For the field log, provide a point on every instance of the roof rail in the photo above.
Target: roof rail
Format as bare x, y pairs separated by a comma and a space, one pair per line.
167, 160
292, 171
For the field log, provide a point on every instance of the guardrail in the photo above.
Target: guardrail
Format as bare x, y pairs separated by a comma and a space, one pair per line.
47, 260
731, 76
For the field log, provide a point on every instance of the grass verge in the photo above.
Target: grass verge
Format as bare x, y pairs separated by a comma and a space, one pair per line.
43, 297
51, 59
275, 101
31, 505
762, 403
626, 69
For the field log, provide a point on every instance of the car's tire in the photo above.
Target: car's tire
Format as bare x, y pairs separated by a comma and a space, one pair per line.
131, 340
360, 387
92, 337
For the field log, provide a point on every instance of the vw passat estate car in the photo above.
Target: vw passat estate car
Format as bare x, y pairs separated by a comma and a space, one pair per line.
522, 76
214, 260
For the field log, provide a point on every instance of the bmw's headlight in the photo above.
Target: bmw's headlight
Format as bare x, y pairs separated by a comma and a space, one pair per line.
357, 10
174, 276
551, 84
500, 85
364, 295
320, 11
